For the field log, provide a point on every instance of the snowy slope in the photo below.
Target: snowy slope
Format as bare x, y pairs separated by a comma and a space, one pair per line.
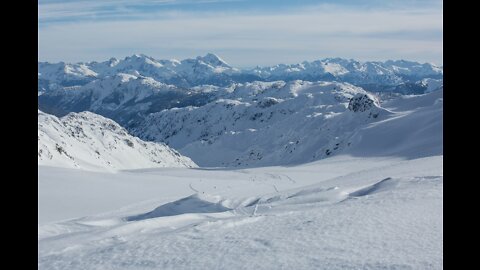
415, 129
58, 75
337, 213
260, 124
89, 141
432, 84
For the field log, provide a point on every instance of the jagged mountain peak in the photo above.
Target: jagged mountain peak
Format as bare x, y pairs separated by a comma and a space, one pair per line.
113, 62
139, 56
212, 59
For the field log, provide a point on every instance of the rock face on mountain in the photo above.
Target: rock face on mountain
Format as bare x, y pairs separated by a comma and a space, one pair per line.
362, 102
89, 141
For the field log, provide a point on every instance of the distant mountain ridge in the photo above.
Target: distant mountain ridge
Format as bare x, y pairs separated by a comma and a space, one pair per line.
213, 70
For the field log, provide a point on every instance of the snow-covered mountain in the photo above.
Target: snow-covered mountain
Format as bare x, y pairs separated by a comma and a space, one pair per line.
431, 84
266, 123
387, 73
212, 70
273, 119
128, 99
89, 141
274, 123
249, 124
208, 69
125, 98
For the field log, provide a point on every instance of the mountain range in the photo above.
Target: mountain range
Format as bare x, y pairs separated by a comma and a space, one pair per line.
212, 70
285, 114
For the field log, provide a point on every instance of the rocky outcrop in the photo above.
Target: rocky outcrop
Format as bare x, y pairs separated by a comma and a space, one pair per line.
362, 102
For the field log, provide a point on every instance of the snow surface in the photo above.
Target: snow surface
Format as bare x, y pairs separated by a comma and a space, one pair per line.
338, 213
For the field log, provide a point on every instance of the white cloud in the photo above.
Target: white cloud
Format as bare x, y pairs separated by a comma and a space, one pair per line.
105, 9
251, 39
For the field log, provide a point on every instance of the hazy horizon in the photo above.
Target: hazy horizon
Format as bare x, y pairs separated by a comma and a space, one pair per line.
228, 62
245, 33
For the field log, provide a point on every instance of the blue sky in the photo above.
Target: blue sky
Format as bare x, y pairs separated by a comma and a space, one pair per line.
243, 32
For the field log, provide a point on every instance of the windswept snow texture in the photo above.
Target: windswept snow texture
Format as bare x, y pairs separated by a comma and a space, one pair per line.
337, 213
89, 141
191, 204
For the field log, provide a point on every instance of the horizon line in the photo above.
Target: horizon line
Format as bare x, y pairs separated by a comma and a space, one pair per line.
242, 67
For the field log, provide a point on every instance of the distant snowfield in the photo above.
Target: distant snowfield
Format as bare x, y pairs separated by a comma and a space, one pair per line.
343, 212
